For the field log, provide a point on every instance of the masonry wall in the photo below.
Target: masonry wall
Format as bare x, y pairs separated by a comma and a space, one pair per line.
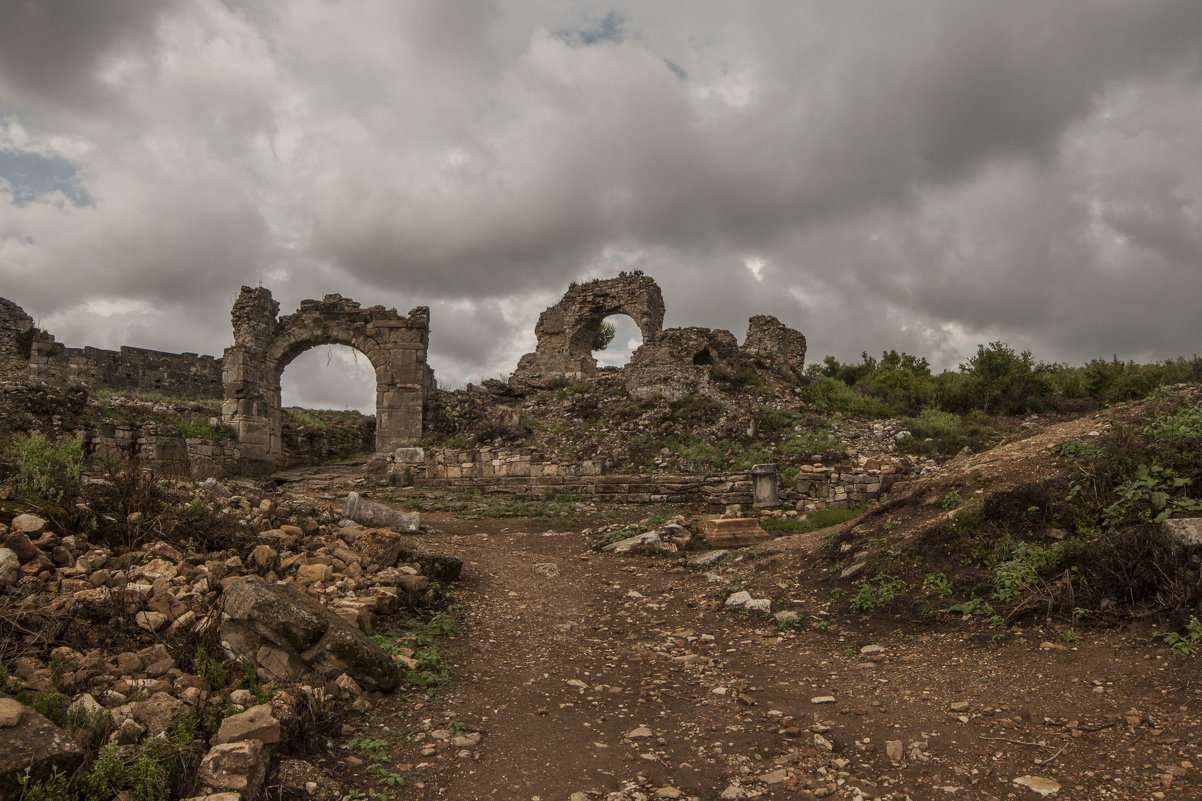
177, 375
524, 472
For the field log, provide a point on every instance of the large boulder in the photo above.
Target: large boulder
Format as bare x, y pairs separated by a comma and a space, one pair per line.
367, 513
280, 628
28, 740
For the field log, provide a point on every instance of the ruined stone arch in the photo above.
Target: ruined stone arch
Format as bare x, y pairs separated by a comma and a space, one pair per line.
565, 331
263, 346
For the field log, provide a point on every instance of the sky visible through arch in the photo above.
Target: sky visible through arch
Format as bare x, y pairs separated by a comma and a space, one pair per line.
922, 176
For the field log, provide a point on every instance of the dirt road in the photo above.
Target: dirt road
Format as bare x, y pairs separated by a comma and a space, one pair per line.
579, 676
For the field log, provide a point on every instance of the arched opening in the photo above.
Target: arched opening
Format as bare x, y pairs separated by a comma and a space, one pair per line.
327, 405
625, 340
704, 358
335, 377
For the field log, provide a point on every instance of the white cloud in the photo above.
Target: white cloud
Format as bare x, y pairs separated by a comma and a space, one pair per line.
921, 177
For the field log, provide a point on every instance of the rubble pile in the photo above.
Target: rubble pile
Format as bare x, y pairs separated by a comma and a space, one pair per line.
133, 640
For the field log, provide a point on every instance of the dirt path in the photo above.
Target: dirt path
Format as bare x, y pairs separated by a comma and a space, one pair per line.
623, 678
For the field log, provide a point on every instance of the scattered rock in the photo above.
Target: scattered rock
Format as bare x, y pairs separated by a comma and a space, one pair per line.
738, 599
256, 723
29, 525
235, 767
707, 559
1039, 784
10, 568
215, 488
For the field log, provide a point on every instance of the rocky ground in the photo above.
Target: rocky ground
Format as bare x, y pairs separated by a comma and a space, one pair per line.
549, 668
585, 675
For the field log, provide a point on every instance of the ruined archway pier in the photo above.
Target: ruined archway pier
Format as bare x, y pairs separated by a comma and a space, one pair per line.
264, 345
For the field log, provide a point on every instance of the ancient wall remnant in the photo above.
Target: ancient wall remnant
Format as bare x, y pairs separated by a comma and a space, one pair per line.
16, 337
263, 346
565, 331
179, 375
679, 362
34, 354
671, 363
773, 346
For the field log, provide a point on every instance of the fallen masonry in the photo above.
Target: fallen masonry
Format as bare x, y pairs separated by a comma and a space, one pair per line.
159, 634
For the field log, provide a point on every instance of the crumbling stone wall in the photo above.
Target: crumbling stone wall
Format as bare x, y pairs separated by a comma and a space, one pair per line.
32, 354
679, 362
16, 338
773, 346
671, 363
178, 375
565, 331
263, 346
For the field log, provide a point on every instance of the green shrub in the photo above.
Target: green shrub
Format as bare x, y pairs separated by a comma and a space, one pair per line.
46, 469
821, 519
209, 669
1183, 425
106, 777
837, 396
877, 592
202, 429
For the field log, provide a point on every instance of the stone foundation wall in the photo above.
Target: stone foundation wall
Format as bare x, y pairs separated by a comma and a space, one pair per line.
523, 472
176, 375
162, 450
836, 485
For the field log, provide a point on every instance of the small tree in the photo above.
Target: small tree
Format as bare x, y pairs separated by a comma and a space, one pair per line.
605, 335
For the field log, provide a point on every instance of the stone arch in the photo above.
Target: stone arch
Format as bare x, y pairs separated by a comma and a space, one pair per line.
565, 331
263, 346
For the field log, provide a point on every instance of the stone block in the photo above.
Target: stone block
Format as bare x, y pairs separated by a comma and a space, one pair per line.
235, 767
732, 532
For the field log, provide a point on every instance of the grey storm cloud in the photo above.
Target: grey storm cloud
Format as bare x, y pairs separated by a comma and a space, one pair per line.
925, 176
51, 51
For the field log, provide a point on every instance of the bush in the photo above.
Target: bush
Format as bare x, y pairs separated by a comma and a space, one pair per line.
202, 429
45, 469
837, 396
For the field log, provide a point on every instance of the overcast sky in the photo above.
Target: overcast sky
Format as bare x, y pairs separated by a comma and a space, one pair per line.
924, 175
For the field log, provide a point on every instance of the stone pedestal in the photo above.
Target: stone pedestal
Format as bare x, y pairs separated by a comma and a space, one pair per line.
732, 532
764, 484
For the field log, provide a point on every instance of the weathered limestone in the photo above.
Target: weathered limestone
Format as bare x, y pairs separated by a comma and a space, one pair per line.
679, 362
732, 532
28, 740
288, 633
672, 363
239, 767
565, 331
264, 346
773, 346
765, 486
16, 337
368, 513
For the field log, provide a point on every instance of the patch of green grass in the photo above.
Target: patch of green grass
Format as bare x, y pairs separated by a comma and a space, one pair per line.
876, 592
634, 529
938, 584
823, 518
201, 428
